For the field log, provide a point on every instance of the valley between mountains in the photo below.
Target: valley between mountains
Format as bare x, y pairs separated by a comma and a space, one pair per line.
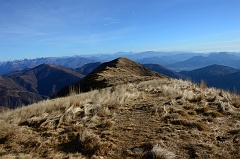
119, 110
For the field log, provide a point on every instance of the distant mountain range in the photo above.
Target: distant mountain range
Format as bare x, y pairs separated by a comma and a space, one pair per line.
166, 59
195, 62
18, 65
177, 61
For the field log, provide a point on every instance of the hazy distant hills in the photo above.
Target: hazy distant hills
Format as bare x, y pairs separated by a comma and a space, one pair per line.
195, 62
73, 62
177, 61
148, 57
166, 59
162, 58
217, 76
31, 85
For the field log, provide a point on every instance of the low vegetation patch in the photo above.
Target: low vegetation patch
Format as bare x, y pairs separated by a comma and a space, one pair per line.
190, 125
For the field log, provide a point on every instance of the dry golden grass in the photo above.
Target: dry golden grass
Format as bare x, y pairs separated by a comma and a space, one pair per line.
236, 101
162, 118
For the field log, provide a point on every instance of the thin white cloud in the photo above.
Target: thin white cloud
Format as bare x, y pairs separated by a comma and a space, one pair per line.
224, 45
90, 38
207, 36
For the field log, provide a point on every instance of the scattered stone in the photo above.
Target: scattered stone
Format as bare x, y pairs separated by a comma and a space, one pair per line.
138, 150
221, 138
141, 149
192, 153
179, 97
220, 107
34, 122
168, 103
145, 107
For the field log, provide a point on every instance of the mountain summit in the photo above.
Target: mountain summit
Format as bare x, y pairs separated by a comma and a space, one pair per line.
125, 65
115, 72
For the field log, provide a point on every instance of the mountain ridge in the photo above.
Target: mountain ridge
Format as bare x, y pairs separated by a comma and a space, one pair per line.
117, 71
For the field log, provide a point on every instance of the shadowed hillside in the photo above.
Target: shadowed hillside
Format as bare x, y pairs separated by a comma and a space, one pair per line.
32, 85
45, 79
86, 69
165, 71
13, 95
216, 76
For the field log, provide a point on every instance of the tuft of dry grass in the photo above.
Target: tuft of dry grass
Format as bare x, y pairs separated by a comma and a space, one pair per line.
161, 153
89, 142
7, 131
195, 99
236, 101
213, 114
211, 99
202, 110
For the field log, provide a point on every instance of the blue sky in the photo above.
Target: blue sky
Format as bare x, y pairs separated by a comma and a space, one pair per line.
40, 28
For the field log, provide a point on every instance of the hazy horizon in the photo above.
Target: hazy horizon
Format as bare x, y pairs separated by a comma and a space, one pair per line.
121, 52
31, 29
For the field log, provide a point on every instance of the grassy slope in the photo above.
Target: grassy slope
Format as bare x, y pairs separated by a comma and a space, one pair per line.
164, 117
